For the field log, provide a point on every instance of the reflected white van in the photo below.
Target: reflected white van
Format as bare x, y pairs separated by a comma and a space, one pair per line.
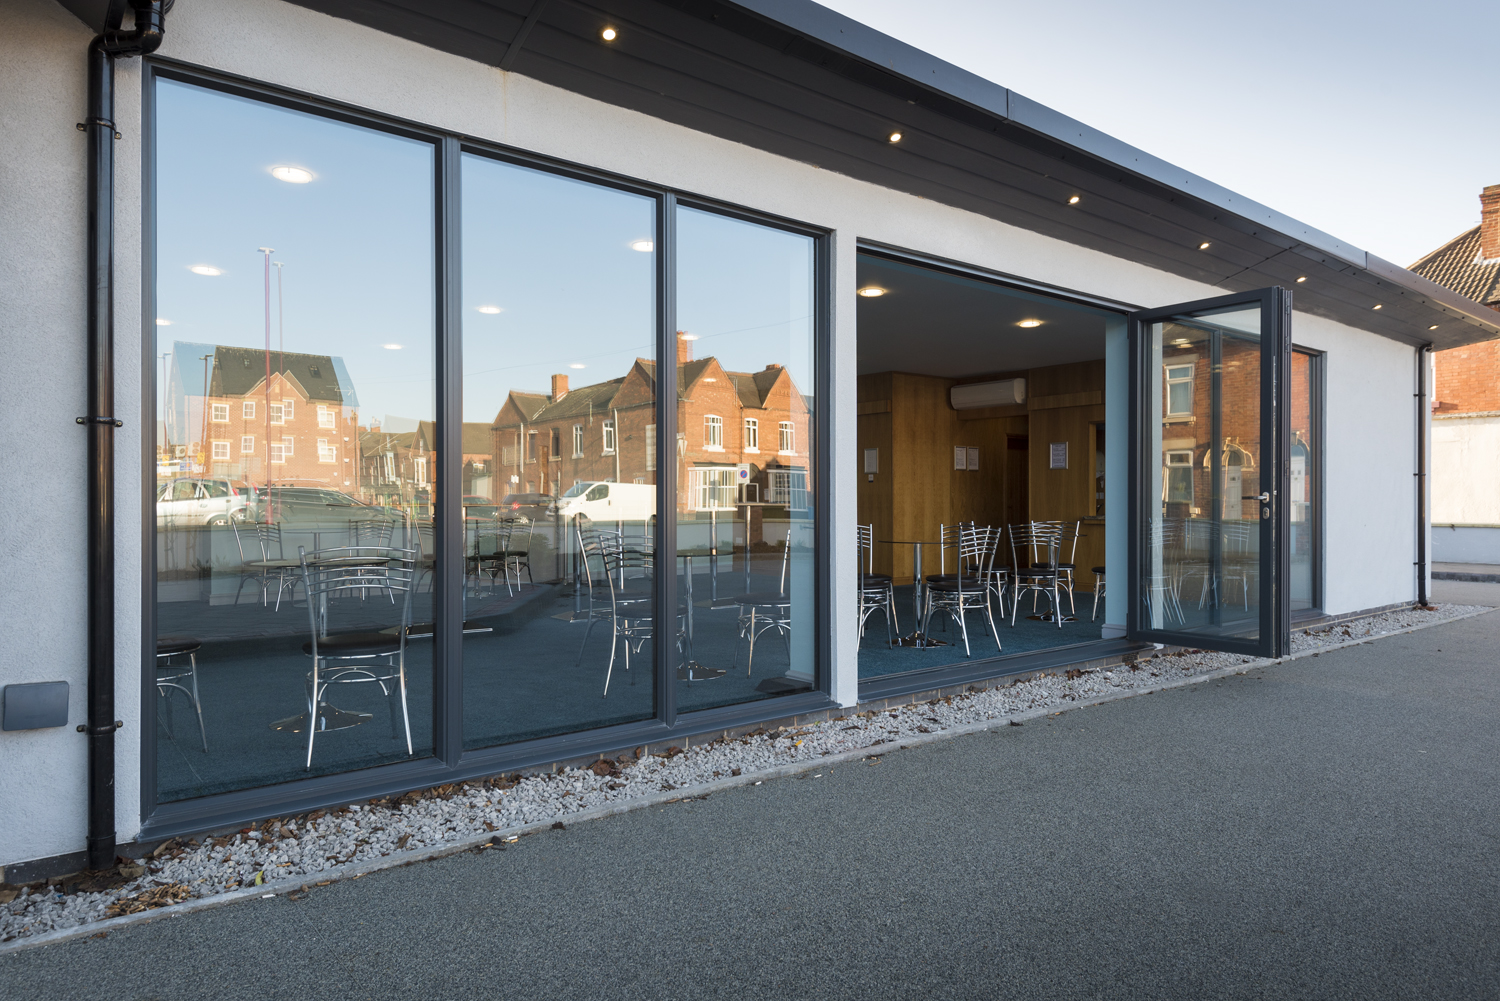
600, 500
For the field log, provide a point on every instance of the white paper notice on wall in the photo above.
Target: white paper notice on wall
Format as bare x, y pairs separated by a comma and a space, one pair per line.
973, 458
960, 457
872, 460
1059, 455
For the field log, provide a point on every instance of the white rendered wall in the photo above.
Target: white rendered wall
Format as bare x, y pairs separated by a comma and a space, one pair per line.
43, 172
1465, 471
42, 59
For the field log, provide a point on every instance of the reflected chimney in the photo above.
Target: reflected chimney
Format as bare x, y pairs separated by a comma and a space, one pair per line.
559, 387
684, 347
1489, 225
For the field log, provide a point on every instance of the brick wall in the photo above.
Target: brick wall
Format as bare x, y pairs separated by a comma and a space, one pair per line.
1468, 379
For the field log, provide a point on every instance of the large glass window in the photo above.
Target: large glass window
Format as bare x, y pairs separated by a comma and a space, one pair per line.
746, 532
558, 333
295, 288
1305, 582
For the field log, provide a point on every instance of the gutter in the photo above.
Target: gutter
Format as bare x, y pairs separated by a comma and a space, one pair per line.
145, 37
1424, 434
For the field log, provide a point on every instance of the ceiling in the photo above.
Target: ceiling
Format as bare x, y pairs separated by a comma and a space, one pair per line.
801, 81
932, 323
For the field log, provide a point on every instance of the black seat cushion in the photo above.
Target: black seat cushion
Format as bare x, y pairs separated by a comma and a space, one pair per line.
951, 585
354, 644
177, 644
870, 579
1098, 570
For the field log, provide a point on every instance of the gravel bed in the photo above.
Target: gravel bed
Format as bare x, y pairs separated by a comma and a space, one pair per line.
312, 844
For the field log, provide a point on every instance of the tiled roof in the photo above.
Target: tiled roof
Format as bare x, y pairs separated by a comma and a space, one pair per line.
1456, 265
239, 370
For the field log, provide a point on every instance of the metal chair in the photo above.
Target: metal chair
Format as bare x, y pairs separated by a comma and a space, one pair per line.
963, 592
170, 677
515, 552
260, 565
761, 611
1030, 571
877, 591
592, 543
1098, 590
363, 655
631, 614
1159, 589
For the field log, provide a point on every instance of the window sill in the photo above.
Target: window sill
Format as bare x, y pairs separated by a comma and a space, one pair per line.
713, 448
752, 451
1179, 419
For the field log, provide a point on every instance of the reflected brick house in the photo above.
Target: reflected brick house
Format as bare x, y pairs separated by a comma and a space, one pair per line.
300, 431
742, 436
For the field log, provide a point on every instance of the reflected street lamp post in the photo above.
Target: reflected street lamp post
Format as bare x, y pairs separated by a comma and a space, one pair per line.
267, 251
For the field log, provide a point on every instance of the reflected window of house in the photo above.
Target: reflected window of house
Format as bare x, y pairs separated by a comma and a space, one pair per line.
221, 413
752, 434
788, 434
609, 437
1179, 390
713, 432
247, 410
1179, 477
577, 441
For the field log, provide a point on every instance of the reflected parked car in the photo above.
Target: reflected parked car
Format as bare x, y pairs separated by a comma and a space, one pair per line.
527, 507
312, 506
202, 501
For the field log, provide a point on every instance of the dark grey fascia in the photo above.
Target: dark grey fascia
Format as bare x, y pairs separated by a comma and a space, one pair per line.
801, 81
99, 15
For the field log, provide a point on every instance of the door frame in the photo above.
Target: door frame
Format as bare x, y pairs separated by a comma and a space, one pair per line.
1273, 637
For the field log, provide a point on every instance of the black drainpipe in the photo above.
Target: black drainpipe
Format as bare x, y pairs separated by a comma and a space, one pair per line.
1424, 424
144, 38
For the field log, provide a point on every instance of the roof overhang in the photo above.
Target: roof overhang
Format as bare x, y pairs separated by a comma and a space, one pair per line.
799, 80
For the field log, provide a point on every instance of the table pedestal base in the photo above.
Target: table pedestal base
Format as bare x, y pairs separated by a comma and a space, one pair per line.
329, 718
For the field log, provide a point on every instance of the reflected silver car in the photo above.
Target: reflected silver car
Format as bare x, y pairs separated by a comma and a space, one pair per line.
205, 501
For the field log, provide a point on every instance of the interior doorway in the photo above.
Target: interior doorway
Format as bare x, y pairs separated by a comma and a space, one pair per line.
981, 410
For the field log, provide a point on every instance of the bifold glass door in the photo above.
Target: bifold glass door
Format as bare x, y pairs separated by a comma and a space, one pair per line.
1209, 465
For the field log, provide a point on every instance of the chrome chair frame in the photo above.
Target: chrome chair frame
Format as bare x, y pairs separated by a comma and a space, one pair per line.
961, 593
328, 574
632, 617
166, 683
877, 591
1098, 591
761, 611
1031, 574
282, 571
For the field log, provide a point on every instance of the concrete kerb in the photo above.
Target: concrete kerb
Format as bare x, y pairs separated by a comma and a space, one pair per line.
354, 870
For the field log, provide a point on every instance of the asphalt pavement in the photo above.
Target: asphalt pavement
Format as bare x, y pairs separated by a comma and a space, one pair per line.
1319, 829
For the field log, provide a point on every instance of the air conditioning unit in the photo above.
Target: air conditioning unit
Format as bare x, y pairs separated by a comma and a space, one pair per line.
976, 395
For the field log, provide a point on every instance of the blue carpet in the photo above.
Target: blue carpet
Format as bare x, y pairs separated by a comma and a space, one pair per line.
877, 659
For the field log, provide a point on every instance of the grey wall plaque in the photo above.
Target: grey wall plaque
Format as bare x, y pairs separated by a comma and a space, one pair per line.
31, 707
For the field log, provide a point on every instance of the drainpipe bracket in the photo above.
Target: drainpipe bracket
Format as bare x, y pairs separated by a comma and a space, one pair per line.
100, 731
107, 421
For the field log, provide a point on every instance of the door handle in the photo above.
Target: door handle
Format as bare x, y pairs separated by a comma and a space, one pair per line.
1264, 498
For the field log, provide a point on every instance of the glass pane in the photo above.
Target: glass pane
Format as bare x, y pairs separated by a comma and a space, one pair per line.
745, 527
1303, 493
331, 316
559, 483
1202, 536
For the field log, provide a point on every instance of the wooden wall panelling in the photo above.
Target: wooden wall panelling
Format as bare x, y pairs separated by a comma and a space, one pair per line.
875, 499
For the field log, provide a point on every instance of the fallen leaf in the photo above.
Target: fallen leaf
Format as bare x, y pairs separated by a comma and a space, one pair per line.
734, 771
559, 826
158, 896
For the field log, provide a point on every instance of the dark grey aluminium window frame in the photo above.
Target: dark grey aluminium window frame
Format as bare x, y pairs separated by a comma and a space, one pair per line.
1276, 350
949, 675
450, 762
1318, 384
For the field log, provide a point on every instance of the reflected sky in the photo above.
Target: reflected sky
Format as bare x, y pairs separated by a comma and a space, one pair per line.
356, 241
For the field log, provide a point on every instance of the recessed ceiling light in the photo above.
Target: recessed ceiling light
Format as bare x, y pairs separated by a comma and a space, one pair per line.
1302, 279
1181, 341
162, 321
1073, 200
491, 310
689, 337
1376, 306
577, 365
608, 34
644, 246
895, 137
292, 175
1204, 245
872, 291
391, 347
1029, 323
205, 269
1433, 327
